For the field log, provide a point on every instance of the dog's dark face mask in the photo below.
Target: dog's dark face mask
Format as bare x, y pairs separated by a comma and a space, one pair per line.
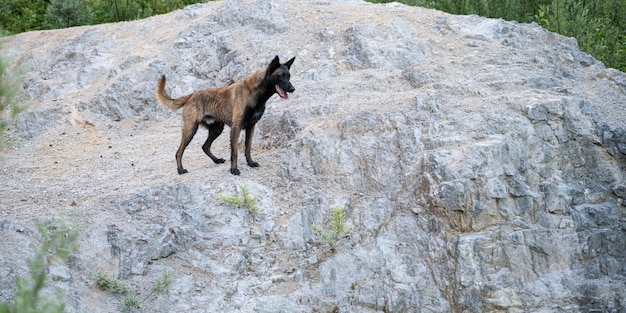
279, 76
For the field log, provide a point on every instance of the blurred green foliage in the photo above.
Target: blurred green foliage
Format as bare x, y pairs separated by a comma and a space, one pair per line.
18, 16
10, 83
57, 243
599, 26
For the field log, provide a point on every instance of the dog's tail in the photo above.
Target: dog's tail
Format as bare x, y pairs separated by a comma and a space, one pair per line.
165, 100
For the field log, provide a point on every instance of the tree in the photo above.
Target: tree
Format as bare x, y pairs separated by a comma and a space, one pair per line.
18, 16
67, 13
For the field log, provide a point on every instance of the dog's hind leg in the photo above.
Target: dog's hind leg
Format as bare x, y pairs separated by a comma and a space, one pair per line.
249, 134
189, 130
215, 130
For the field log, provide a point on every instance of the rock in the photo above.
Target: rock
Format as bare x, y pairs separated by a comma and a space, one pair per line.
480, 163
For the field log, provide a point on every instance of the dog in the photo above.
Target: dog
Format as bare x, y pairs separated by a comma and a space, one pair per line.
239, 105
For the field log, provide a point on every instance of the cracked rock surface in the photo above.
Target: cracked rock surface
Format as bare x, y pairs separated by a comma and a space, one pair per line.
480, 163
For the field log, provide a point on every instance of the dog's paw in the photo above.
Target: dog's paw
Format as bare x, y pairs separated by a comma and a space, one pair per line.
182, 171
235, 171
253, 164
219, 161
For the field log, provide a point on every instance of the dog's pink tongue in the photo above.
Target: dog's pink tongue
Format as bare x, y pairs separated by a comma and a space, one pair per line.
281, 92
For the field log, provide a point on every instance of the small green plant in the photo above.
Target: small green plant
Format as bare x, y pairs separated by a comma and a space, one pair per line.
246, 200
337, 226
57, 243
130, 302
161, 285
111, 284
128, 298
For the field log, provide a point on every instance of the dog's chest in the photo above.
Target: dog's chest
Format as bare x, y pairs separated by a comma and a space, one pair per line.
252, 115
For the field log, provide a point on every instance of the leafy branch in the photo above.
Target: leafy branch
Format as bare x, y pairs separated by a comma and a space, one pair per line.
58, 242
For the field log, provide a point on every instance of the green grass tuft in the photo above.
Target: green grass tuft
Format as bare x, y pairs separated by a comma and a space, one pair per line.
246, 200
129, 300
337, 227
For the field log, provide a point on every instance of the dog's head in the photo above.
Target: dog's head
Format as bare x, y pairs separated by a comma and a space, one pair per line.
278, 76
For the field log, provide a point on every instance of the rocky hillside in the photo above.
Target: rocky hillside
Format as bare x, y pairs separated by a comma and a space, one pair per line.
480, 164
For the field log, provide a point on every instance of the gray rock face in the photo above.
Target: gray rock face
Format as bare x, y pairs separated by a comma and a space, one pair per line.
480, 163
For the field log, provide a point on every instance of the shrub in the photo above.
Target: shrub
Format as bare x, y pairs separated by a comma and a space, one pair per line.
18, 16
598, 26
67, 13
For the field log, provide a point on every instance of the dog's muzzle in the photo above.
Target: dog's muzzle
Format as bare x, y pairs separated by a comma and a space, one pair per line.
282, 93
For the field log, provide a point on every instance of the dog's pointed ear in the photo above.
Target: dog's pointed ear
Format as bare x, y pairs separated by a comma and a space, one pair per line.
288, 63
274, 65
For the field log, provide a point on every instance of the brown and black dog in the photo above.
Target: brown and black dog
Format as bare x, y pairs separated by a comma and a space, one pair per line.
239, 106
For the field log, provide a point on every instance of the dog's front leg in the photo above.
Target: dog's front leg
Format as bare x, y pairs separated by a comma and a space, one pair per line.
249, 133
234, 138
